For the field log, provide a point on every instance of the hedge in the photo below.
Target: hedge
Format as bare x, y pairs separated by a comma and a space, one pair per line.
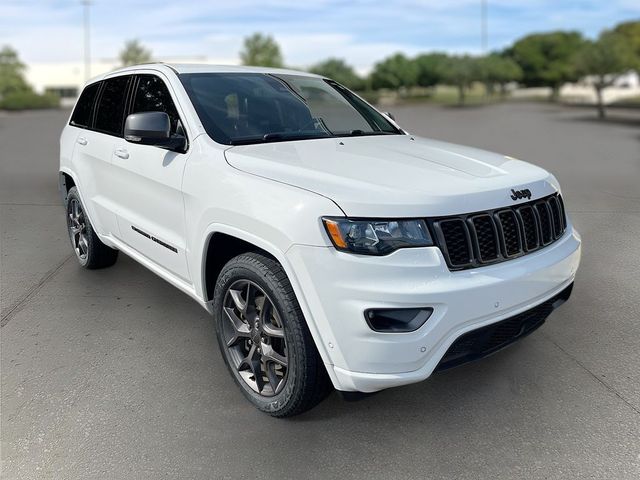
29, 100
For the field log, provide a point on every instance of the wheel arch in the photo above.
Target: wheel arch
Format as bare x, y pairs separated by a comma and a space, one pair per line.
66, 181
229, 242
219, 248
249, 242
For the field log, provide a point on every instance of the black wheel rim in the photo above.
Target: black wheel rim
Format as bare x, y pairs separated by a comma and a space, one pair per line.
77, 228
253, 335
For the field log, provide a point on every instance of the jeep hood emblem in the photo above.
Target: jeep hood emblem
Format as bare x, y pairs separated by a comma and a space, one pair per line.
518, 194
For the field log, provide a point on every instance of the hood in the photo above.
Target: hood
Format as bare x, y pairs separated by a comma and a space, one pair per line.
395, 175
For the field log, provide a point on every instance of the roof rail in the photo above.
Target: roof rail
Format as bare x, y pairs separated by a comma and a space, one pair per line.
168, 65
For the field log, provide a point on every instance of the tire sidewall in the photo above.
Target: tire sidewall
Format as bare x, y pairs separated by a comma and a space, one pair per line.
238, 270
74, 195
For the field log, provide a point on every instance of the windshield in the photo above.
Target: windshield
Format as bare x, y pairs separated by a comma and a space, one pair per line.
245, 108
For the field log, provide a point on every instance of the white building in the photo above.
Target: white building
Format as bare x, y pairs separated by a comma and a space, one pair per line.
66, 79
625, 86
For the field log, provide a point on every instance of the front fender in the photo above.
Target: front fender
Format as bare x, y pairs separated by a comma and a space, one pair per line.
274, 250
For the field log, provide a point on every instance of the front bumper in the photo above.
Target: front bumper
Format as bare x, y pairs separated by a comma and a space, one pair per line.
484, 341
336, 288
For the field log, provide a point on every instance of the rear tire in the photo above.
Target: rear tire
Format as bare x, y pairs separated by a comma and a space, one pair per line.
90, 251
261, 329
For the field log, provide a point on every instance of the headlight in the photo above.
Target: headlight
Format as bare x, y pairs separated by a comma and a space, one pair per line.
376, 237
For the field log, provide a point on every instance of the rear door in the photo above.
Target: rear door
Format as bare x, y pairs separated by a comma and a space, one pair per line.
100, 126
148, 184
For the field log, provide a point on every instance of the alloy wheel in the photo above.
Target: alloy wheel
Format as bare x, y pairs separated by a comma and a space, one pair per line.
78, 228
253, 334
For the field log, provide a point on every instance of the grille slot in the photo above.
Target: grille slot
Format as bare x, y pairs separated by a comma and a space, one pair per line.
545, 222
563, 215
510, 233
457, 244
556, 220
530, 227
482, 238
486, 237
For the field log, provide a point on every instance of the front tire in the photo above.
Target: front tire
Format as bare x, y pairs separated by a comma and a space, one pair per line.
90, 251
264, 339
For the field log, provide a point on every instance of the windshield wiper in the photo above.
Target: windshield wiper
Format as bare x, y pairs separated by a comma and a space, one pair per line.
277, 137
362, 133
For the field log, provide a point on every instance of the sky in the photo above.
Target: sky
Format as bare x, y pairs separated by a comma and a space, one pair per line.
360, 31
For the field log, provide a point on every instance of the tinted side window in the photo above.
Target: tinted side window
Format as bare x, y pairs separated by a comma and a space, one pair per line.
110, 114
82, 113
152, 95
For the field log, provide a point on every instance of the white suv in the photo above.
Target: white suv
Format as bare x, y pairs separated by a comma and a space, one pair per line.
331, 246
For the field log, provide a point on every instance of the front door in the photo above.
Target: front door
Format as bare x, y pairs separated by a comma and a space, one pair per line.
148, 186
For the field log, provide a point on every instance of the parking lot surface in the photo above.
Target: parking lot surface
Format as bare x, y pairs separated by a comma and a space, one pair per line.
115, 374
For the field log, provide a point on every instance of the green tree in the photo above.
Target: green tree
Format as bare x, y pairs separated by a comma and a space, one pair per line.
338, 70
261, 51
630, 32
394, 72
461, 72
134, 53
604, 61
430, 67
498, 70
15, 92
11, 73
546, 59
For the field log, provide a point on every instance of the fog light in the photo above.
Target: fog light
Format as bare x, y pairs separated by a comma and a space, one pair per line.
394, 320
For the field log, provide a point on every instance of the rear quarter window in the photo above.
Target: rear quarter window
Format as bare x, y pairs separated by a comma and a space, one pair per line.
83, 112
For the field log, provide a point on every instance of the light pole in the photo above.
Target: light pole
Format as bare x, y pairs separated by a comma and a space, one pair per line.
484, 34
87, 39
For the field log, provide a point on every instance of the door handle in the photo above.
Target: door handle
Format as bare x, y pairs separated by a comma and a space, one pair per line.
82, 140
122, 153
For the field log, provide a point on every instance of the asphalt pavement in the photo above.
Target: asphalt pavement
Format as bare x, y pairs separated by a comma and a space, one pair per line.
116, 374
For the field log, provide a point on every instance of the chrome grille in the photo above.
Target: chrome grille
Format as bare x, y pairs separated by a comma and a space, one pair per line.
483, 238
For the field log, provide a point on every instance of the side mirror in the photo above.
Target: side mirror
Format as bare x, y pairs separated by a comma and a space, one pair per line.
390, 115
147, 128
152, 128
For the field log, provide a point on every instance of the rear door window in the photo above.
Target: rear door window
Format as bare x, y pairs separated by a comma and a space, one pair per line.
82, 114
111, 106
